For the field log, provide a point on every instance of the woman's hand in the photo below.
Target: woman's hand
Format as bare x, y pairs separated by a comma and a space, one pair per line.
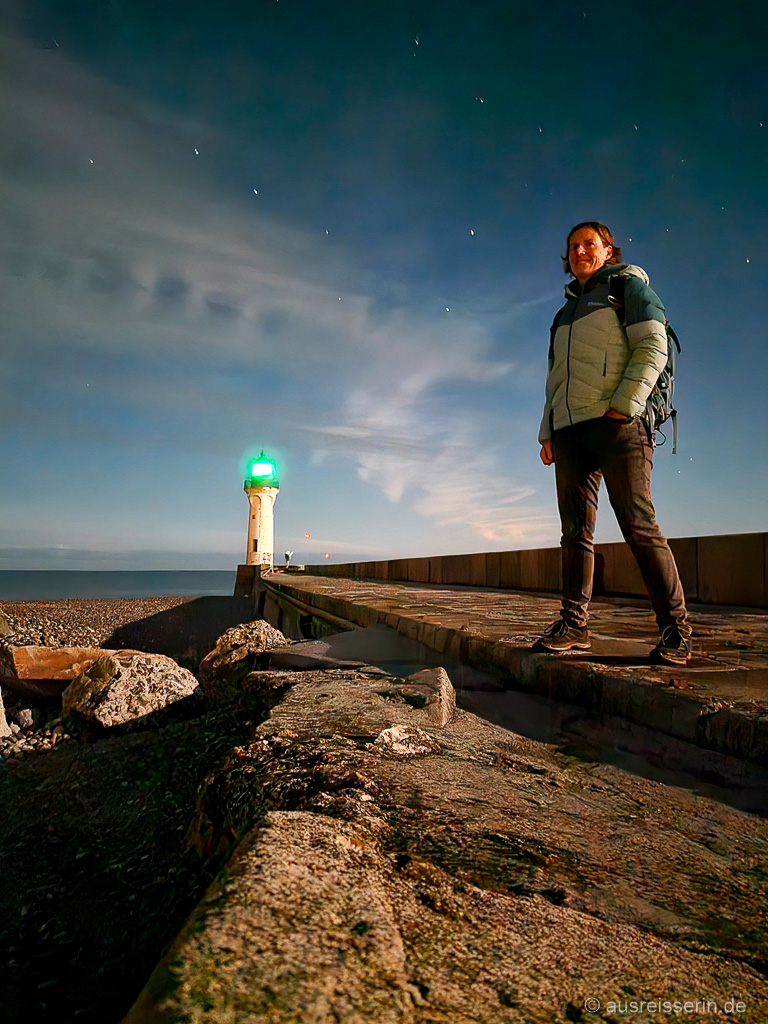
614, 414
546, 454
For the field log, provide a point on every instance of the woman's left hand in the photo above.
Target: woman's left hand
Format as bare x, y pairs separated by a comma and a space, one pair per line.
547, 454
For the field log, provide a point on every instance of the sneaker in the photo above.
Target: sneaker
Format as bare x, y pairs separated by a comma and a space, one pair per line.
674, 646
559, 636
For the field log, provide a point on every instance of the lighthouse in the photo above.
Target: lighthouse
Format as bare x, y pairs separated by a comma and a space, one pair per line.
261, 486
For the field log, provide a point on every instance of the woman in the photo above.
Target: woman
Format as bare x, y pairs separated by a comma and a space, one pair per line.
601, 371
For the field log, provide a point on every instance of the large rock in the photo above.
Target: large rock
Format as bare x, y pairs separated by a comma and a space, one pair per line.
415, 875
45, 672
5, 627
359, 703
121, 686
5, 729
23, 715
430, 691
237, 652
406, 741
315, 922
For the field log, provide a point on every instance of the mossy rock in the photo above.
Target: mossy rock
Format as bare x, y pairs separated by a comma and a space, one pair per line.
92, 682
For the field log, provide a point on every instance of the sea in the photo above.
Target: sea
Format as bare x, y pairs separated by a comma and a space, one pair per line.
57, 585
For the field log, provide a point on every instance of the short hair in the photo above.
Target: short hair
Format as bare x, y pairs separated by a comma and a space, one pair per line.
605, 235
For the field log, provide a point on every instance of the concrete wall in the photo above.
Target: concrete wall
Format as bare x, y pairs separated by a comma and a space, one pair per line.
731, 569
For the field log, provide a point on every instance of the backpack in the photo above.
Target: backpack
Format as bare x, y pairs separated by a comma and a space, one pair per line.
658, 407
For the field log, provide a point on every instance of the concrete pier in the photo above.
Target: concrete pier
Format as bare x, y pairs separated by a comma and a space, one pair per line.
719, 701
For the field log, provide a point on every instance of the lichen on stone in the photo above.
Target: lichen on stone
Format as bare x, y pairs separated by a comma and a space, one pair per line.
101, 671
90, 683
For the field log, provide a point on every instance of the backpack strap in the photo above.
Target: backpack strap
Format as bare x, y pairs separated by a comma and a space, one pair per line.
672, 336
552, 331
616, 284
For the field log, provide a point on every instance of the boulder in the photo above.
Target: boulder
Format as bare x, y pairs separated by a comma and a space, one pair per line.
359, 703
316, 921
122, 686
432, 692
44, 672
311, 932
406, 741
19, 712
5, 729
237, 652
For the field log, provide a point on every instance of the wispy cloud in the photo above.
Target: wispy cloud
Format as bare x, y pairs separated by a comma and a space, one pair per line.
166, 293
407, 442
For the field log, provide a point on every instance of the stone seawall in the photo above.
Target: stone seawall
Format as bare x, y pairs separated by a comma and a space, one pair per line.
731, 569
318, 838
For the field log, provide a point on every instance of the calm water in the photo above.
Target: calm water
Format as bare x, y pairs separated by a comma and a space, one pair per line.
56, 584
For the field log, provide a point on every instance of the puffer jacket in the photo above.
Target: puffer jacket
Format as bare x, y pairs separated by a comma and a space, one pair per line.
595, 363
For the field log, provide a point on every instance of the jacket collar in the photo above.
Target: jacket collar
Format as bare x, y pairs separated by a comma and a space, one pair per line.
573, 289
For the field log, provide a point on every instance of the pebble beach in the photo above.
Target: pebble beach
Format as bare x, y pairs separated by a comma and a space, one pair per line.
77, 622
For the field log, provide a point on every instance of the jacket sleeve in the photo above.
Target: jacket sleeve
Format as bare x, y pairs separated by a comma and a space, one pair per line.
647, 341
545, 428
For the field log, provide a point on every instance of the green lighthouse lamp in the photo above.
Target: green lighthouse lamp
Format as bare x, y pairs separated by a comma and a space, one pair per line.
261, 485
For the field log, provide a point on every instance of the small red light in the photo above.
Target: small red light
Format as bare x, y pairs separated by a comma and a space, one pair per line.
326, 555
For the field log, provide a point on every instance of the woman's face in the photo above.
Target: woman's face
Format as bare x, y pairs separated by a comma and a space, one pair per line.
587, 252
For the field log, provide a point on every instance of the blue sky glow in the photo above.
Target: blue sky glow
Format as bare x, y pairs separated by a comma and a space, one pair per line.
376, 317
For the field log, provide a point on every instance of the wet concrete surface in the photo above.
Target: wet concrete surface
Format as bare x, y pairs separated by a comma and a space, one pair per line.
719, 701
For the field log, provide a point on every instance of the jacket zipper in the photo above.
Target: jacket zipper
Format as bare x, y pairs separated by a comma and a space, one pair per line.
568, 356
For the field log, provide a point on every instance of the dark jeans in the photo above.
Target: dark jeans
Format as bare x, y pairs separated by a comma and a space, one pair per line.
623, 454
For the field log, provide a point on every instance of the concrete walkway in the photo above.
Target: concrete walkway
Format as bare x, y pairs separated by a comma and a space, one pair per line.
719, 701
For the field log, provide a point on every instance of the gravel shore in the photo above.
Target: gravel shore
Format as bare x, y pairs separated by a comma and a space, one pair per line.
79, 622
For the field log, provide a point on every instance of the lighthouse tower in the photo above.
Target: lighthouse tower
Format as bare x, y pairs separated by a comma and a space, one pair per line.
261, 486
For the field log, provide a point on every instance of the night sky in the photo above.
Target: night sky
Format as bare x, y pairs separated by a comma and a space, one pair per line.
332, 230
